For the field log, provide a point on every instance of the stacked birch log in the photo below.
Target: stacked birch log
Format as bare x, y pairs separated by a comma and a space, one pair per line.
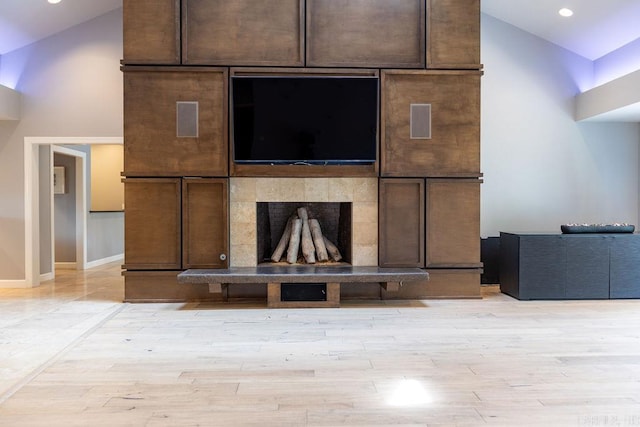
304, 233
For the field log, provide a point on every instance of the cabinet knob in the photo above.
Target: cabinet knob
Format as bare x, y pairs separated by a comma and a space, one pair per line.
223, 257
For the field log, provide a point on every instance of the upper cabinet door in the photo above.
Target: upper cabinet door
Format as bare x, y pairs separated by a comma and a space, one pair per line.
243, 32
175, 121
453, 34
430, 123
366, 33
151, 31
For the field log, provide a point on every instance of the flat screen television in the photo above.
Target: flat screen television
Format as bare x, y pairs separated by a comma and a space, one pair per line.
315, 120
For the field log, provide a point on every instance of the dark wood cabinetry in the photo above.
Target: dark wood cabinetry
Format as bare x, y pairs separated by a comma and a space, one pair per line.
371, 33
152, 239
205, 223
441, 34
161, 286
151, 31
179, 57
243, 32
453, 34
453, 223
401, 223
152, 144
452, 121
441, 215
173, 223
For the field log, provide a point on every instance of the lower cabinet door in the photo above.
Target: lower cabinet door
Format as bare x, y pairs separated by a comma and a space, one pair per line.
453, 223
543, 267
401, 222
152, 224
205, 223
587, 267
624, 270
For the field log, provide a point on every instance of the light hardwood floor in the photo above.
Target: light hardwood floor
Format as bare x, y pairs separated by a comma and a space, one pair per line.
71, 354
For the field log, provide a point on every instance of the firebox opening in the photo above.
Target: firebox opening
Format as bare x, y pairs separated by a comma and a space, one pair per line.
334, 219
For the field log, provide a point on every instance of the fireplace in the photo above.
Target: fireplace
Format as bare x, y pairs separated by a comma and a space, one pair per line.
334, 219
352, 203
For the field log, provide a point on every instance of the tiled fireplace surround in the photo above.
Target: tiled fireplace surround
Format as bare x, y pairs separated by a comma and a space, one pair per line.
246, 192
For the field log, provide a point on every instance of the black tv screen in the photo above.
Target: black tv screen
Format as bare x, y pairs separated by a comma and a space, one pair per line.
305, 120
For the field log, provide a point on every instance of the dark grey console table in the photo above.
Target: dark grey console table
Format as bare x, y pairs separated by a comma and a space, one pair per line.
569, 266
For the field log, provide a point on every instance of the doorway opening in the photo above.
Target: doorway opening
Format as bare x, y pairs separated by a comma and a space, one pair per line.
39, 252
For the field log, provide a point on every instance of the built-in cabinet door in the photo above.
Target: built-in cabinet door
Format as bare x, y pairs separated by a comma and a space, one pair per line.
401, 223
205, 223
151, 31
587, 269
453, 223
243, 32
175, 121
542, 267
430, 123
372, 33
624, 269
152, 222
453, 34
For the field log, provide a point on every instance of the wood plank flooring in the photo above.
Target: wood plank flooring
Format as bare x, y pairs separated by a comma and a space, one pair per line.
71, 354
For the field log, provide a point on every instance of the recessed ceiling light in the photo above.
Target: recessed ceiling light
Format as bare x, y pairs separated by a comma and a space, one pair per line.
563, 12
54, 1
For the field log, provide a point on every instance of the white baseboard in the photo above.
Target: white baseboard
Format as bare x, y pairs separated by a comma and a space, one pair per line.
66, 265
22, 284
47, 276
103, 261
9, 284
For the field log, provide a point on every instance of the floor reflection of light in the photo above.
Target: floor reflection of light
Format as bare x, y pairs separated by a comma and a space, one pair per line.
409, 393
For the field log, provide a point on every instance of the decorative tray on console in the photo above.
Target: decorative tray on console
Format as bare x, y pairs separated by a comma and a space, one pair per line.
597, 228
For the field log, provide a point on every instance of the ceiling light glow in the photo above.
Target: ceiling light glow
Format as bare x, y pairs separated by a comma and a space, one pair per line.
54, 1
565, 12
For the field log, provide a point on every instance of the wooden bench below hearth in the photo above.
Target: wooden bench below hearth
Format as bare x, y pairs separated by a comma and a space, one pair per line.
218, 279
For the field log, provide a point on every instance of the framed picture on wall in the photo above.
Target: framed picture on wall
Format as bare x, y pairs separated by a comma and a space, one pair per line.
58, 180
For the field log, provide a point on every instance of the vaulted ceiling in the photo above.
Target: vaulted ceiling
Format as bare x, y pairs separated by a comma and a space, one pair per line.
23, 22
597, 27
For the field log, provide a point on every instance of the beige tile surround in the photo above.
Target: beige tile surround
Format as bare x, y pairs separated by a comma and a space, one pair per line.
246, 192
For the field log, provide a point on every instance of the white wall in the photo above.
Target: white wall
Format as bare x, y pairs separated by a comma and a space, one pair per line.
541, 168
71, 85
9, 103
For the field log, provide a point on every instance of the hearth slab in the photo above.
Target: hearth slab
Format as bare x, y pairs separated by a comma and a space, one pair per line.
302, 274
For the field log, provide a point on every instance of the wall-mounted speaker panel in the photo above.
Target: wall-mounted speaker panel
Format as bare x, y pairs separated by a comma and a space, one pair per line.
187, 119
420, 121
